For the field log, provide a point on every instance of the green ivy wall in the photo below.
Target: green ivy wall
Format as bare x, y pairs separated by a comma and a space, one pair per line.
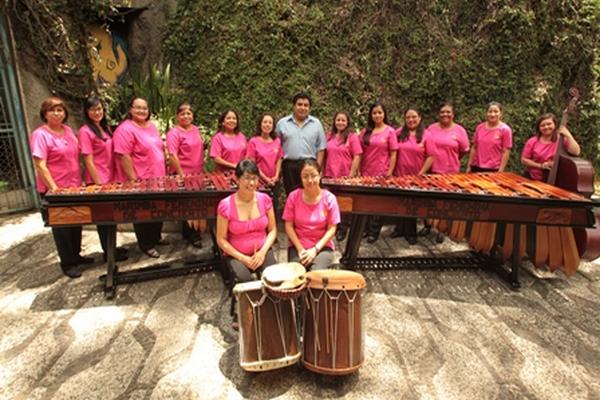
253, 55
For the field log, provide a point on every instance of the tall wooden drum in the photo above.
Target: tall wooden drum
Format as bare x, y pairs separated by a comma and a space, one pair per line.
268, 331
332, 319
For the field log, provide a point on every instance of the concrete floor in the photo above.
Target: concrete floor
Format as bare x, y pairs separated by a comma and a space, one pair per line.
429, 334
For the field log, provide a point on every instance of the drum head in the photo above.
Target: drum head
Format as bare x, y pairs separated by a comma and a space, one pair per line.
334, 279
284, 276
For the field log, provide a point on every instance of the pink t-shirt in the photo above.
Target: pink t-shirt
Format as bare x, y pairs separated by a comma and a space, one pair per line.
411, 155
540, 152
266, 154
490, 144
188, 146
340, 154
101, 150
446, 146
145, 147
246, 236
61, 153
376, 156
229, 148
311, 220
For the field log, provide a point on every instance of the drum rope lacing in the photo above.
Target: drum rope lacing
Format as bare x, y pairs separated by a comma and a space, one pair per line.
332, 315
257, 321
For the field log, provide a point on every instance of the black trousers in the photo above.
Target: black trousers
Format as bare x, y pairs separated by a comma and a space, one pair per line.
147, 234
406, 226
323, 260
189, 233
475, 168
68, 245
241, 273
290, 169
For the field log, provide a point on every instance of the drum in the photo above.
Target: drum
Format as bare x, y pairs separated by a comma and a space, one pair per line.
285, 280
267, 326
332, 320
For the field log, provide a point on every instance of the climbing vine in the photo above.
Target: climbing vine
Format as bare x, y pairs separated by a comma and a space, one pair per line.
254, 55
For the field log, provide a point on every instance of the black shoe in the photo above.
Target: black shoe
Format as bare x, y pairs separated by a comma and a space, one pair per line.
119, 256
411, 240
424, 231
372, 239
152, 253
197, 243
395, 234
70, 270
439, 238
163, 242
85, 260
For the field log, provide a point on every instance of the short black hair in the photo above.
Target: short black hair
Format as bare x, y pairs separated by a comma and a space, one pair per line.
302, 95
246, 166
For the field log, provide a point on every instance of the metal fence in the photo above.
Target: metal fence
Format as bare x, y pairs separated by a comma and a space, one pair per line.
16, 175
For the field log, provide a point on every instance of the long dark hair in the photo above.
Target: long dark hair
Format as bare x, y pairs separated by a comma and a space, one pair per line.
404, 134
258, 131
236, 130
371, 123
89, 103
346, 132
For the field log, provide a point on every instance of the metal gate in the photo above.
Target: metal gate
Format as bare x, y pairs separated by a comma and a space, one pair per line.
16, 173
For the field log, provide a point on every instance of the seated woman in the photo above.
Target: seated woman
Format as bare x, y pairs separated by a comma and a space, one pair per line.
311, 215
539, 150
246, 227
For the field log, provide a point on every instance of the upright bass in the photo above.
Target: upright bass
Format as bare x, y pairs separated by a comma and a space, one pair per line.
576, 175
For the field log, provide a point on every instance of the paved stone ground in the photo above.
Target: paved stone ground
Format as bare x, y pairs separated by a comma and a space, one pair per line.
451, 334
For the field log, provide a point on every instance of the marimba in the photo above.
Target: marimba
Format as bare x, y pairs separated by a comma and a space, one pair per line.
469, 202
190, 197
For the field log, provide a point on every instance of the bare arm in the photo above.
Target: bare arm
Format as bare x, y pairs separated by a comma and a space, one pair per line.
355, 167
426, 165
127, 164
320, 158
291, 233
44, 173
471, 154
175, 163
573, 147
223, 163
88, 160
393, 158
504, 161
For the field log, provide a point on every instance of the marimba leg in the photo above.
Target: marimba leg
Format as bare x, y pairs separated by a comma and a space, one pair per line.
555, 254
569, 246
541, 246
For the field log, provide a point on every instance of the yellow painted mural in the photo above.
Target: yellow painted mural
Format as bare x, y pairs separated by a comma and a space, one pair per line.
108, 58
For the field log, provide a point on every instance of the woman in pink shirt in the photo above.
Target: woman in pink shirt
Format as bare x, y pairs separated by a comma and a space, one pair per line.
411, 161
96, 147
55, 153
228, 146
380, 149
492, 142
264, 148
139, 150
342, 157
186, 156
539, 150
311, 215
446, 142
246, 227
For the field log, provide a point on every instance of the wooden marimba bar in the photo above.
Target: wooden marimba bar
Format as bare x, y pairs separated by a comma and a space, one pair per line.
170, 198
469, 202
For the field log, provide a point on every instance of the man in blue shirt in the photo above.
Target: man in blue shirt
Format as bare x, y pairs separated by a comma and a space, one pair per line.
302, 136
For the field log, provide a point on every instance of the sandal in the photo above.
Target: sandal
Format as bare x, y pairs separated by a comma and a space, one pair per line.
152, 253
197, 244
